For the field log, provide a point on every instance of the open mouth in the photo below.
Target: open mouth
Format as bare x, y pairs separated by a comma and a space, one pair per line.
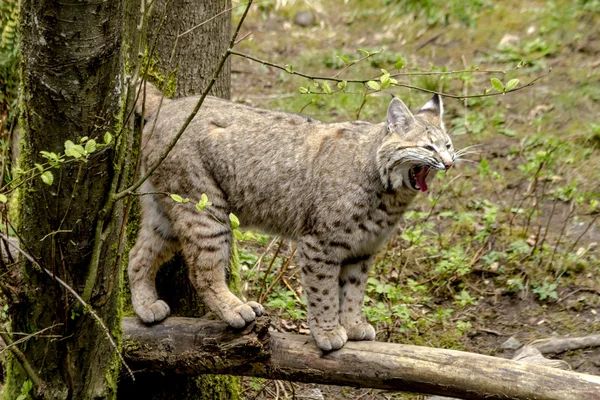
417, 175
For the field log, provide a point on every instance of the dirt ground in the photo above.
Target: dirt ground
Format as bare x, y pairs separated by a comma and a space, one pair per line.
547, 207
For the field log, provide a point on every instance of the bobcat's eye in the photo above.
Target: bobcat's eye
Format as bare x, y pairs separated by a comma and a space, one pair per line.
430, 148
449, 146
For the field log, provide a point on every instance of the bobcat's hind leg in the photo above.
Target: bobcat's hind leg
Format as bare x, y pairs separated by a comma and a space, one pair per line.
353, 280
206, 247
156, 243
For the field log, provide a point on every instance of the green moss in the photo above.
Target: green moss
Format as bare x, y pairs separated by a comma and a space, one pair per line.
166, 83
219, 387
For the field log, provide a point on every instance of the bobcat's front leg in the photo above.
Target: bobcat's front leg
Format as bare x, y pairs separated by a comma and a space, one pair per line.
206, 247
320, 274
353, 280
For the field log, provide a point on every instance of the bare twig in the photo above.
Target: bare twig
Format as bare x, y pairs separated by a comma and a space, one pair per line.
264, 281
22, 360
350, 64
29, 336
210, 19
280, 275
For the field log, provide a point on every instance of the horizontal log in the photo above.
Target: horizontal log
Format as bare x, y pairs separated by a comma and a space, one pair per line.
199, 346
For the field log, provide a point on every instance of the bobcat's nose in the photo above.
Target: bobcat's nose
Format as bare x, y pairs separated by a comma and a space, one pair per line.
448, 165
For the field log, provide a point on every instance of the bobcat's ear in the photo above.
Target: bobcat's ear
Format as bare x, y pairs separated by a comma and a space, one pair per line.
399, 117
433, 111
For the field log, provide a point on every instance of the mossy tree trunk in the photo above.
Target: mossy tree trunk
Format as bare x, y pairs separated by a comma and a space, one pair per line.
72, 87
184, 71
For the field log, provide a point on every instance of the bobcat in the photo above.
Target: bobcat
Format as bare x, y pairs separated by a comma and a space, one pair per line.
337, 189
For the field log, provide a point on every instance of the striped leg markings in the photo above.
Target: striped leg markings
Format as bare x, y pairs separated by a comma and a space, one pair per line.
151, 250
206, 247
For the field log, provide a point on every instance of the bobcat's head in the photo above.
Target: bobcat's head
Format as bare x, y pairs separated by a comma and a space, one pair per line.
414, 145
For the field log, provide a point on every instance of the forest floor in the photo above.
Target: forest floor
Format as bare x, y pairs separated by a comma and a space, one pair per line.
505, 244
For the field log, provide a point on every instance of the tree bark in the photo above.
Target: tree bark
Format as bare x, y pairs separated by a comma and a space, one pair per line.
197, 52
195, 346
184, 71
71, 88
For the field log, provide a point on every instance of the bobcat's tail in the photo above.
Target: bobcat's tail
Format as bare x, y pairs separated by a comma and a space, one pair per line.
151, 101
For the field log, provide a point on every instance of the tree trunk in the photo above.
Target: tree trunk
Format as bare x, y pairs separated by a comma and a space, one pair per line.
198, 50
71, 88
184, 71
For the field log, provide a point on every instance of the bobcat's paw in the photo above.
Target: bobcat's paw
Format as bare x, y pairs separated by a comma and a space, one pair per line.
153, 313
239, 316
257, 308
328, 340
361, 331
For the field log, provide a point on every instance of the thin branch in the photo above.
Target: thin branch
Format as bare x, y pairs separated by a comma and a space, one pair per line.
86, 306
350, 64
22, 360
29, 336
364, 81
210, 19
192, 115
279, 276
263, 284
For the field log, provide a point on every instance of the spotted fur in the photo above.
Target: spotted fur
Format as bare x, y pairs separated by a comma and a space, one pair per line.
337, 189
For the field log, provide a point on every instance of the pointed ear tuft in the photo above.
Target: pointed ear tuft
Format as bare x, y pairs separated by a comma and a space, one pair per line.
434, 110
399, 116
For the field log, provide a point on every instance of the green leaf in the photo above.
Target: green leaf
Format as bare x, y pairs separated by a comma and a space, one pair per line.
3, 198
108, 138
83, 139
326, 87
507, 132
344, 59
289, 68
373, 85
73, 150
238, 235
303, 90
385, 81
203, 203
249, 235
47, 178
366, 52
178, 198
342, 85
27, 386
91, 146
235, 222
497, 84
50, 156
399, 63
39, 167
511, 84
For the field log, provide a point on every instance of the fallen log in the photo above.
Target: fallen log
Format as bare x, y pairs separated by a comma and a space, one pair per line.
199, 346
